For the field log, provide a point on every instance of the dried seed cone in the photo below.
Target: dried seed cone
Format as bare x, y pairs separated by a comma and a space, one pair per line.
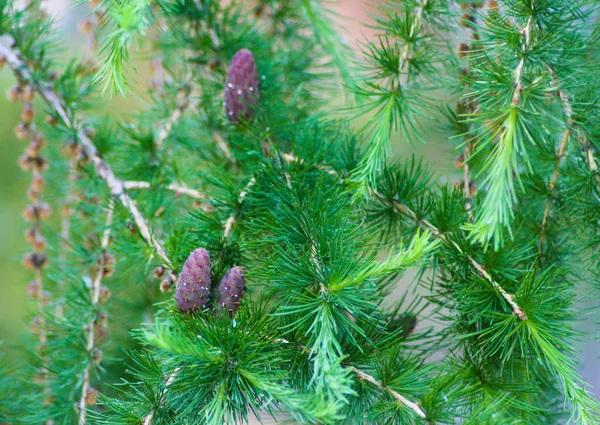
241, 87
230, 290
193, 286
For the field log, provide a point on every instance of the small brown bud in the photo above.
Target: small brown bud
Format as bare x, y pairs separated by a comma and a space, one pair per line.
165, 286
70, 150
28, 113
37, 323
159, 272
2, 62
104, 294
91, 397
51, 121
34, 237
30, 213
95, 3
35, 261
25, 163
37, 183
213, 65
33, 289
107, 271
15, 94
459, 161
28, 93
22, 131
463, 50
40, 211
258, 11
86, 27
473, 189
97, 355
44, 210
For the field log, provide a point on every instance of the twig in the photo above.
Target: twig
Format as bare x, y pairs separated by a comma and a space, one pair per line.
95, 297
469, 101
519, 69
427, 225
372, 380
148, 418
102, 168
560, 154
178, 189
233, 217
399, 397
183, 103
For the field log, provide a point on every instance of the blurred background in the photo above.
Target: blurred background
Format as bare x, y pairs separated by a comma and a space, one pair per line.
14, 303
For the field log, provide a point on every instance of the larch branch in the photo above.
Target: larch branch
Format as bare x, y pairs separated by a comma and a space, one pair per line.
173, 187
103, 169
427, 225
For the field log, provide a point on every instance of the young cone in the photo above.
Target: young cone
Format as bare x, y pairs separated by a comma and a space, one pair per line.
241, 87
230, 290
193, 286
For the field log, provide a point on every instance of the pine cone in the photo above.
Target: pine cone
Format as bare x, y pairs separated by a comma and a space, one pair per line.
193, 286
230, 290
241, 88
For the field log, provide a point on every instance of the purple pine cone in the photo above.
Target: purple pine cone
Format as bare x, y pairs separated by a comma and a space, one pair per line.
230, 290
241, 87
193, 286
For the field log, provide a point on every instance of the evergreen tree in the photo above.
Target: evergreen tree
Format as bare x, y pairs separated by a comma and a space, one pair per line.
231, 249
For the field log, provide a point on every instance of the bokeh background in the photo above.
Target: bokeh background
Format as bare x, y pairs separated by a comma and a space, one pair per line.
14, 304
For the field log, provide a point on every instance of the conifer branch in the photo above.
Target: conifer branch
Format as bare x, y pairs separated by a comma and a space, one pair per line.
174, 187
102, 168
233, 217
183, 104
395, 394
148, 418
471, 26
427, 225
568, 112
95, 290
372, 380
560, 155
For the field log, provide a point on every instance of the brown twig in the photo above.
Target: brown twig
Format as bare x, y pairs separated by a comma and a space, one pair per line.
465, 51
427, 225
103, 170
395, 394
173, 187
233, 217
183, 104
95, 291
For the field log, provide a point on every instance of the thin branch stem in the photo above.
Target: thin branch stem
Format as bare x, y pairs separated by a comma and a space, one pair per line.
395, 394
174, 187
103, 170
95, 290
519, 69
148, 418
233, 217
427, 225
183, 103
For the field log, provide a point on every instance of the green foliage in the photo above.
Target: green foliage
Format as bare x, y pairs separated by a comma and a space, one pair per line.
320, 217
